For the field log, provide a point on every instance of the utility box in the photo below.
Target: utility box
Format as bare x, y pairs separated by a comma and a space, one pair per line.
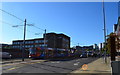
115, 67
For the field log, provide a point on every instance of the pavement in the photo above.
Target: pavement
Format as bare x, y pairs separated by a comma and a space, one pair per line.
96, 67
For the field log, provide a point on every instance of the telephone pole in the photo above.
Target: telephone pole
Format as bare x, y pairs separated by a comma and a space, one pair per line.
24, 40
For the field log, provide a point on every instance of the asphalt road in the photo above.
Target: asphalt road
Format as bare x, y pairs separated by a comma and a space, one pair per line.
52, 66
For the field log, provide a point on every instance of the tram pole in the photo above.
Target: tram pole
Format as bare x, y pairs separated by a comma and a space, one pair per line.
24, 41
45, 42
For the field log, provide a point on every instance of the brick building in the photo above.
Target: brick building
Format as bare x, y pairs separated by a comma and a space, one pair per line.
58, 41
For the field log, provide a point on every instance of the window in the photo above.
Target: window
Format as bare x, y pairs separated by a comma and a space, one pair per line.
36, 41
42, 41
32, 46
26, 46
25, 42
39, 41
18, 42
36, 45
31, 41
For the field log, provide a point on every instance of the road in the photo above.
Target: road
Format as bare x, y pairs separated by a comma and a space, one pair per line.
53, 66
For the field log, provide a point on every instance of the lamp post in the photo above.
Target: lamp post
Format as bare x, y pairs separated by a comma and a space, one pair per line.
24, 41
104, 31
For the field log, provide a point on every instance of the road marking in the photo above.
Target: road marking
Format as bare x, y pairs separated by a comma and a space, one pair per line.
38, 62
12, 68
76, 63
21, 63
6, 65
18, 66
56, 62
10, 64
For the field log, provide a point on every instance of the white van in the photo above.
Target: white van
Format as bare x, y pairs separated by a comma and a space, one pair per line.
5, 55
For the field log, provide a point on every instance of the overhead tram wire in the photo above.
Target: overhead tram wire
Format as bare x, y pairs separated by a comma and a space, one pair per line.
38, 28
119, 9
11, 15
18, 19
13, 24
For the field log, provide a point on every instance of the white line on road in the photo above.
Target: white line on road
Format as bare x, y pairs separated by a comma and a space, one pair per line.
76, 63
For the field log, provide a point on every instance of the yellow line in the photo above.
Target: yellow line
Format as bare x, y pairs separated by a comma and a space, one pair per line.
6, 65
20, 63
12, 68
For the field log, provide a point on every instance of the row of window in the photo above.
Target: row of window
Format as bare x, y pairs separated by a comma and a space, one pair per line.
30, 42
41, 45
17, 42
40, 41
29, 46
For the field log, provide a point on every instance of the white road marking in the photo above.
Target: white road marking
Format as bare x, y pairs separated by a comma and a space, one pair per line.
76, 63
56, 62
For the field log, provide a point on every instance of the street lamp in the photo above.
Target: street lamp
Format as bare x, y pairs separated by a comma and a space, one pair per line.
104, 30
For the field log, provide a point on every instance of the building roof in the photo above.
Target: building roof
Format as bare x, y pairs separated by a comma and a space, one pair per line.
43, 38
30, 39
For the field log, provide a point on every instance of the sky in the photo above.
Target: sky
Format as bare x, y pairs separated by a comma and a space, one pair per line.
81, 21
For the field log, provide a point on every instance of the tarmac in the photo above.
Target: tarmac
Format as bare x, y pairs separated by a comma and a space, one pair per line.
97, 67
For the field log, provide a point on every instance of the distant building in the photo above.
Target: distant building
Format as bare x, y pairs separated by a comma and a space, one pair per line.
78, 47
88, 47
2, 46
84, 47
53, 40
96, 47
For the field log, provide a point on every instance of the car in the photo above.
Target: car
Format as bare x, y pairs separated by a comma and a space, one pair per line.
83, 55
5, 55
90, 54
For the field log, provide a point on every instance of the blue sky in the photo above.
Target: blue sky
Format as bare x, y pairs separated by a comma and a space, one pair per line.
82, 21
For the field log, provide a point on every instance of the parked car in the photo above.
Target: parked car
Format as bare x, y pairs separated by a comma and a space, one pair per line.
90, 54
83, 55
5, 55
